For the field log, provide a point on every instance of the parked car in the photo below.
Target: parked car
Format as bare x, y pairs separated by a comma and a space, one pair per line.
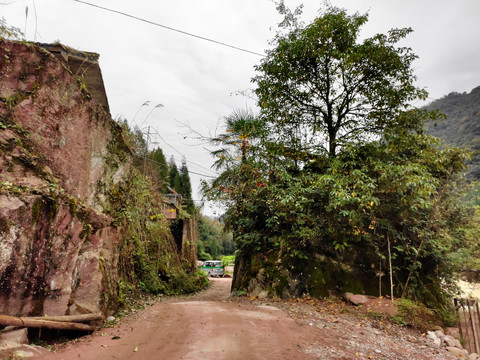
213, 268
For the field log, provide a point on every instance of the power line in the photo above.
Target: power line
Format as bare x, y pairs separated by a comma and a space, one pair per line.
170, 28
203, 167
192, 172
160, 163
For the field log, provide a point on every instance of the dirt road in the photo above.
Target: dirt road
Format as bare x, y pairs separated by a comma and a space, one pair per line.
211, 325
205, 326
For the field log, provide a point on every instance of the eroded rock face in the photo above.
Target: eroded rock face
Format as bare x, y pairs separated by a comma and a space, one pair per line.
281, 275
58, 249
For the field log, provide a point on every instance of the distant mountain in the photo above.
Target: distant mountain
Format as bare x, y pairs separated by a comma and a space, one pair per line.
462, 126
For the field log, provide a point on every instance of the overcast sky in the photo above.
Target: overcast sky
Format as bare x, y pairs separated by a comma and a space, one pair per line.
197, 81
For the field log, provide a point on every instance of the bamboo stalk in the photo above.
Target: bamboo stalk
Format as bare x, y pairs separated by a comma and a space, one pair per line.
467, 327
380, 281
36, 323
474, 327
390, 264
457, 307
478, 313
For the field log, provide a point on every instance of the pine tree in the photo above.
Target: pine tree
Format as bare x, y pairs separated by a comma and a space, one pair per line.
174, 175
161, 169
186, 187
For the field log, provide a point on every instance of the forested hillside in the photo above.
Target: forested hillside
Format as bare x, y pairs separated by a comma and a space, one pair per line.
462, 124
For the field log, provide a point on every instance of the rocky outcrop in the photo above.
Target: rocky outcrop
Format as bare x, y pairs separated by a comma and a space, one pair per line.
289, 277
60, 152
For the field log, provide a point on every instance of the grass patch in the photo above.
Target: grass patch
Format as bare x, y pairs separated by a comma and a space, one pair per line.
415, 315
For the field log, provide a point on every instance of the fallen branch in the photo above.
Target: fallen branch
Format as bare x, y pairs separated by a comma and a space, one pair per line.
69, 318
37, 323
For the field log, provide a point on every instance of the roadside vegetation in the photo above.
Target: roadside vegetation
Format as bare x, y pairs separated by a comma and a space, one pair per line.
214, 242
149, 258
334, 185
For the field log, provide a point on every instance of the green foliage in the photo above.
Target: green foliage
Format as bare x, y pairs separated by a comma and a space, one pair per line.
189, 283
180, 182
338, 164
174, 175
147, 246
186, 188
148, 255
418, 316
228, 260
213, 240
165, 175
128, 141
9, 32
323, 88
240, 293
125, 292
202, 254
461, 125
160, 168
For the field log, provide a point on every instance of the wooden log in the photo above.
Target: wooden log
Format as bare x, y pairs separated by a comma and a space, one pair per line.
36, 323
70, 318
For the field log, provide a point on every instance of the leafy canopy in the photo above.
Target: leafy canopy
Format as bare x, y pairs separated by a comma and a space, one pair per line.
337, 163
325, 88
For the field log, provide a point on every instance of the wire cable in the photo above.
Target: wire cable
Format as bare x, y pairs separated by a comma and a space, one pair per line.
159, 163
170, 28
191, 162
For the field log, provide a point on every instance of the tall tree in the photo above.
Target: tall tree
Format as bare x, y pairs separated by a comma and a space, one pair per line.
174, 175
238, 156
339, 171
325, 88
161, 168
186, 187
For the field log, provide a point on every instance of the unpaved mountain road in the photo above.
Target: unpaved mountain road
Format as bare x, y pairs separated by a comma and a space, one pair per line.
205, 326
211, 325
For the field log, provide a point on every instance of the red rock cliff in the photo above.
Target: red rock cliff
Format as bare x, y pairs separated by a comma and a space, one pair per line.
58, 251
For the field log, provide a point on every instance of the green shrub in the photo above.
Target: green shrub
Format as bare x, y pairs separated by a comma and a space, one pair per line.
184, 283
228, 260
415, 315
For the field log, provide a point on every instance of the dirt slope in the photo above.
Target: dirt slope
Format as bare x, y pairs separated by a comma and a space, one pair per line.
210, 325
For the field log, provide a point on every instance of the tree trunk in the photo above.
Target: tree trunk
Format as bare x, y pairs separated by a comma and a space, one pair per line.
36, 323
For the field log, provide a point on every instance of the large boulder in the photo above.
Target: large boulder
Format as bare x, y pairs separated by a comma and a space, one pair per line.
355, 299
282, 276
